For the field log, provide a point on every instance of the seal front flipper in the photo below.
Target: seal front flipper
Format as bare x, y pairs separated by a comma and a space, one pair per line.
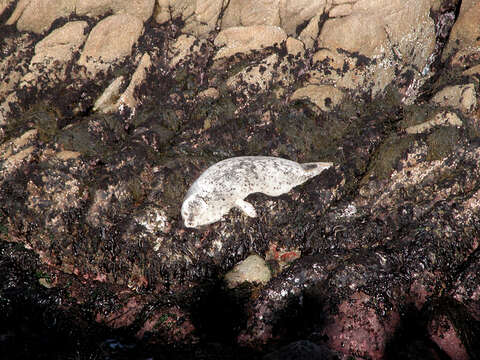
246, 207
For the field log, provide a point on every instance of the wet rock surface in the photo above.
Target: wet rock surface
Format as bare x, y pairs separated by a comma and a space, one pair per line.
110, 111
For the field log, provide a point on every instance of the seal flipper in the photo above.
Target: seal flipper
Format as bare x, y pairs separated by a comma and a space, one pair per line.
315, 168
246, 207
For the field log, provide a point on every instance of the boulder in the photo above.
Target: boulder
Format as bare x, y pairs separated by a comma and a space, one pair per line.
110, 41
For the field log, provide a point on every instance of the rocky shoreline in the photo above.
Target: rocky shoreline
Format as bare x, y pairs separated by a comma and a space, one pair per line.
109, 110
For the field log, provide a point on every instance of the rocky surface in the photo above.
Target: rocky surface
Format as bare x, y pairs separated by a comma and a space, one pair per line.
109, 110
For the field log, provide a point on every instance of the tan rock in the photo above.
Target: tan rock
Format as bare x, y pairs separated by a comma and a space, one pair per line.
309, 35
295, 47
183, 48
374, 27
16, 151
13, 66
13, 146
245, 39
209, 93
332, 58
111, 40
5, 4
205, 17
15, 160
253, 269
60, 44
39, 15
388, 37
107, 102
461, 97
337, 68
474, 70
128, 98
5, 108
262, 76
67, 155
251, 12
341, 10
465, 58
19, 8
325, 97
167, 10
295, 13
444, 118
465, 34
143, 9
200, 16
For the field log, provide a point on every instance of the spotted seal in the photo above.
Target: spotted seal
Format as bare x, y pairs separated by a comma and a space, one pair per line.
225, 184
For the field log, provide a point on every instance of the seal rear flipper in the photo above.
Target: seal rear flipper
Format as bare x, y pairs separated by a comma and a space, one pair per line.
246, 207
315, 168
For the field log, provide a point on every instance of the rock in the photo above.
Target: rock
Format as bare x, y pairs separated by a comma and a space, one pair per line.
142, 9
128, 98
253, 269
6, 108
13, 146
13, 153
467, 285
447, 336
465, 34
251, 12
340, 10
60, 44
107, 102
19, 8
110, 41
461, 97
209, 93
474, 70
325, 97
39, 15
309, 35
293, 14
332, 66
4, 5
13, 65
295, 47
245, 39
184, 48
333, 59
358, 330
200, 17
401, 33
67, 155
302, 349
167, 10
397, 23
260, 77
53, 54
444, 118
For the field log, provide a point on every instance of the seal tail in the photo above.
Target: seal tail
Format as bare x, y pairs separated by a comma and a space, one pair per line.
315, 168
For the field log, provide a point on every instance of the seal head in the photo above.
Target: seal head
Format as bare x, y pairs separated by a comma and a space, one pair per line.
194, 212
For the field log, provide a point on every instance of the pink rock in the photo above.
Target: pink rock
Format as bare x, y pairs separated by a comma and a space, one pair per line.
444, 334
358, 330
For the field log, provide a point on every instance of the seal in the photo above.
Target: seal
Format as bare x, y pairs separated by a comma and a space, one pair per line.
227, 183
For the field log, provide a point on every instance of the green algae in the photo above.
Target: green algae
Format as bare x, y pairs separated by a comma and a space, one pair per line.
388, 155
441, 142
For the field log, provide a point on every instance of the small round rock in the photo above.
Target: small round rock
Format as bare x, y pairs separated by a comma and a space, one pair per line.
253, 269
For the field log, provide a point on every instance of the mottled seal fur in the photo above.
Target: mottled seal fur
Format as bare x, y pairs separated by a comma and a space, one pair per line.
225, 184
